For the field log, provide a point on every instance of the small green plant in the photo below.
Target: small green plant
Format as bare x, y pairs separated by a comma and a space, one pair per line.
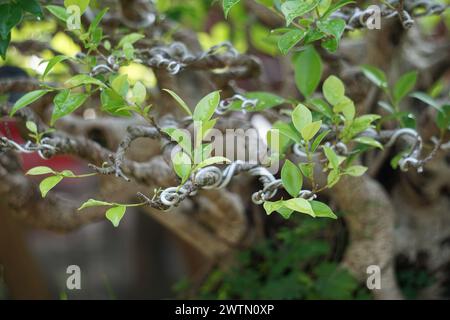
294, 265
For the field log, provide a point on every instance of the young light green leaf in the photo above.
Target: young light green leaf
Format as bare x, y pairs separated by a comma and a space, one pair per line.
308, 71
333, 177
322, 210
369, 141
333, 90
94, 203
31, 126
292, 178
82, 4
288, 130
290, 39
48, 184
26, 100
120, 84
180, 101
301, 117
227, 5
182, 165
211, 161
346, 107
65, 103
182, 137
404, 85
271, 206
115, 214
321, 106
206, 107
130, 39
84, 79
299, 205
307, 169
37, 171
375, 75
310, 130
139, 93
355, 171
332, 157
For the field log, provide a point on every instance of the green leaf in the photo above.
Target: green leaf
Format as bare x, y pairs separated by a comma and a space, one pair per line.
227, 5
308, 71
65, 103
310, 130
31, 6
26, 100
67, 174
346, 107
332, 157
299, 205
322, 106
10, 16
206, 107
94, 203
285, 212
290, 39
120, 84
113, 103
48, 184
355, 171
293, 9
37, 171
404, 85
31, 126
182, 165
130, 39
115, 214
288, 130
307, 169
333, 177
182, 137
292, 178
322, 210
334, 28
84, 79
369, 141
301, 117
4, 43
271, 206
336, 6
318, 140
375, 75
180, 101
211, 161
59, 12
97, 19
425, 99
443, 117
333, 90
52, 63
82, 4
139, 93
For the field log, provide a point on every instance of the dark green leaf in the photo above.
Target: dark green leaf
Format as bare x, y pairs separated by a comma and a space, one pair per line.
27, 99
65, 103
308, 71
290, 39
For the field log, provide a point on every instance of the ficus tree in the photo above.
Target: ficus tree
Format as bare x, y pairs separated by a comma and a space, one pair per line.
346, 104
